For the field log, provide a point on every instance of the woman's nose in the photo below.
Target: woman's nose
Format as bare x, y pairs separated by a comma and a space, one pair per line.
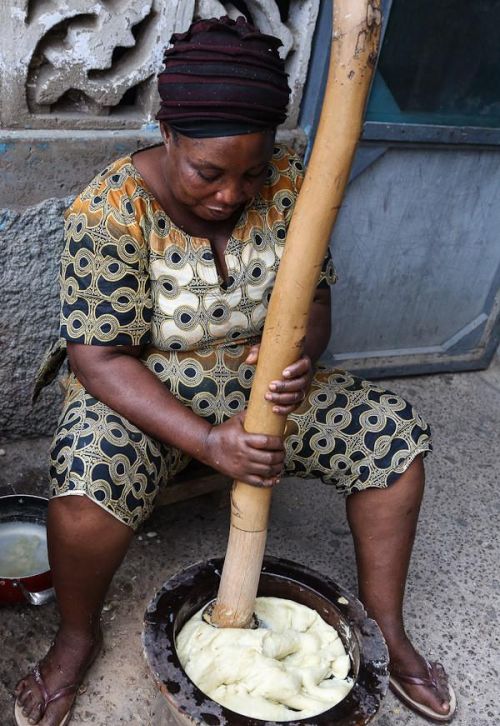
231, 195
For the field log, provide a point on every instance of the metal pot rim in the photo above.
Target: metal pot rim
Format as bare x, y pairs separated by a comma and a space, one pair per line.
18, 498
30, 497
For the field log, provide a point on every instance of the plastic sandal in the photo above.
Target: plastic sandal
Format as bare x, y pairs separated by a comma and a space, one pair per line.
22, 720
436, 679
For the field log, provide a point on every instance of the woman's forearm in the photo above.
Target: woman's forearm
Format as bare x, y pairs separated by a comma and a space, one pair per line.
118, 378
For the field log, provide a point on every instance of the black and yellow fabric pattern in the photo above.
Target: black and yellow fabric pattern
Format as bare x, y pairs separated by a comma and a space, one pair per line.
129, 276
348, 432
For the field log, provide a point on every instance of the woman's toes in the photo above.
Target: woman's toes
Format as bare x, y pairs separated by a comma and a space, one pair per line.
438, 702
28, 708
34, 714
23, 693
26, 701
445, 706
30, 705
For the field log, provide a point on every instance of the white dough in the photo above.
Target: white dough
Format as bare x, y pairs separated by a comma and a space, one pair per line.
294, 667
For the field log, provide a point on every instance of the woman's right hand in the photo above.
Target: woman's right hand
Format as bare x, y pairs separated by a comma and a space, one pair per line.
255, 459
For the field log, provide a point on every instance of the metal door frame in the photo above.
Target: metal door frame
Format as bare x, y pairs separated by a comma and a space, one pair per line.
376, 139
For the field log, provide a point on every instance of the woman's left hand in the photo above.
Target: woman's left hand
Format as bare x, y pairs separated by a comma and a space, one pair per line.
288, 393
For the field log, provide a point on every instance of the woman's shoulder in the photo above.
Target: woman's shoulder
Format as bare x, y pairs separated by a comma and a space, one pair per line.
286, 171
112, 188
284, 156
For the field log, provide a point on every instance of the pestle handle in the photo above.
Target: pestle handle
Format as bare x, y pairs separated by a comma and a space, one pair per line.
355, 39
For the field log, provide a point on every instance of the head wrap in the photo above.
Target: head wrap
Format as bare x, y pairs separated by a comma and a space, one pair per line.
223, 78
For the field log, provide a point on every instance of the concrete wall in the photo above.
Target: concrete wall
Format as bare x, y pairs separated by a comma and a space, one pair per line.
77, 82
41, 173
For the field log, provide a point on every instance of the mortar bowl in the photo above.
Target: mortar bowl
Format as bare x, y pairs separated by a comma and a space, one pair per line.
194, 587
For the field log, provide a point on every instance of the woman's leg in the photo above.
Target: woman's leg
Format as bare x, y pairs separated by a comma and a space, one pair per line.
383, 524
86, 546
356, 435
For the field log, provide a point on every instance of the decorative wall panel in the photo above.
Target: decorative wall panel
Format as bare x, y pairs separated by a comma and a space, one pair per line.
80, 64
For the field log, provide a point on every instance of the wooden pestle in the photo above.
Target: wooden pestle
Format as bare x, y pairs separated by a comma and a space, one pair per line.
355, 39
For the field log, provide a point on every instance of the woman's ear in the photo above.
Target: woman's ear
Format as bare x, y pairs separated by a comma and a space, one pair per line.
166, 133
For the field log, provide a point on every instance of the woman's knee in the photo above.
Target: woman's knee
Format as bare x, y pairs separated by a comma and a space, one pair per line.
107, 464
78, 520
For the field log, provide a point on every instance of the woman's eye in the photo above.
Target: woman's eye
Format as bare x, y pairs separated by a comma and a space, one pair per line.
207, 177
256, 174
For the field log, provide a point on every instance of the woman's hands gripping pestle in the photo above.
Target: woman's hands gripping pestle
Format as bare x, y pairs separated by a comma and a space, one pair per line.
254, 458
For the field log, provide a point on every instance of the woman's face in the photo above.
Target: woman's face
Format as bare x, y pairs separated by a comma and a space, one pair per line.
213, 178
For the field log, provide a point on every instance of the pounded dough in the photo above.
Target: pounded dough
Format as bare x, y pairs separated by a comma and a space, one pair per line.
293, 667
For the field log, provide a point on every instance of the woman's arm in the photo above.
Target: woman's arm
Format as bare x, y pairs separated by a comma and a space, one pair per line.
319, 325
116, 376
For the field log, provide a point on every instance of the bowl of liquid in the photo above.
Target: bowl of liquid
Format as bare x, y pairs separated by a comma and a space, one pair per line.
24, 564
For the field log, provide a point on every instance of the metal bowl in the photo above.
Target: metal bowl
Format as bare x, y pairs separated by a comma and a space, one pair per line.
28, 514
192, 588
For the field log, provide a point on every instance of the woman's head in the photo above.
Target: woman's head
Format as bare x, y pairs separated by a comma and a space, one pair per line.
223, 78
223, 92
212, 178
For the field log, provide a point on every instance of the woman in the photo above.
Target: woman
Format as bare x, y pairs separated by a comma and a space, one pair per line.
169, 262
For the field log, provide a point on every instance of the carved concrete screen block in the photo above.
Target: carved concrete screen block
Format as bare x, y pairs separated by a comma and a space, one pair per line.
84, 63
93, 63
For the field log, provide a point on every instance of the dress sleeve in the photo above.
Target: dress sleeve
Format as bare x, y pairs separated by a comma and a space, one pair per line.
104, 273
328, 274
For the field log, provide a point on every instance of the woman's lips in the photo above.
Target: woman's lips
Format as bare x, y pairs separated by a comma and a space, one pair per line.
224, 212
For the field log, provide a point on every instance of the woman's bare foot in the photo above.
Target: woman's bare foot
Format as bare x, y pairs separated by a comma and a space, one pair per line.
67, 661
406, 660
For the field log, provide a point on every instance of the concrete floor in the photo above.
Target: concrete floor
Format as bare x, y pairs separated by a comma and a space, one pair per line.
453, 588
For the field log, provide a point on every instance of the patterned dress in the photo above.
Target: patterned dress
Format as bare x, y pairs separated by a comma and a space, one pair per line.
129, 276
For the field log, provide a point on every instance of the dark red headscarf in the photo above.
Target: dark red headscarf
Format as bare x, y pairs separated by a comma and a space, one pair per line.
222, 78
